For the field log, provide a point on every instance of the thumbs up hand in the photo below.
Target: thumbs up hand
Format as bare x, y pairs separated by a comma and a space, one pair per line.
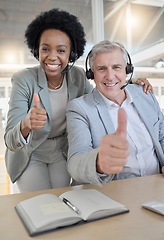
113, 151
122, 123
36, 100
35, 119
163, 170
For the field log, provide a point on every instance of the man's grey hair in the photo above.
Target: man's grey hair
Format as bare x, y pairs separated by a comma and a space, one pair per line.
105, 46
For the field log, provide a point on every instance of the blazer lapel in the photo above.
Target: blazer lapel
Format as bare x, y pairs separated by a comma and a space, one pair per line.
147, 117
103, 112
72, 89
43, 93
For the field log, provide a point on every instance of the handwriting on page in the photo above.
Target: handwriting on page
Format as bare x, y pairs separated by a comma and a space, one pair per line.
54, 208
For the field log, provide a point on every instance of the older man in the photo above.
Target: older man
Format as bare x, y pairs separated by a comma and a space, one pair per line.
116, 131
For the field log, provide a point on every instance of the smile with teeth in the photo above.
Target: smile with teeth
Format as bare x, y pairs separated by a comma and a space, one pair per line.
110, 85
53, 66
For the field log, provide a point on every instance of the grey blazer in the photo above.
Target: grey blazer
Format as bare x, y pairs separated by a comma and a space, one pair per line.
24, 84
88, 121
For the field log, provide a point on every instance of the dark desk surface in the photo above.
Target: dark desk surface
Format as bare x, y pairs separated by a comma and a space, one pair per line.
138, 224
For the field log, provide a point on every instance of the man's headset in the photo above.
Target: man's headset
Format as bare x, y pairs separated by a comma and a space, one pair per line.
72, 57
129, 69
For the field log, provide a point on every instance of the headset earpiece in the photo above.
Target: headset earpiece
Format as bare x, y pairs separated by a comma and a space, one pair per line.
35, 53
89, 72
129, 66
73, 56
129, 69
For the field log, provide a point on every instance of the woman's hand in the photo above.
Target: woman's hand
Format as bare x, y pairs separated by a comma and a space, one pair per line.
147, 86
35, 119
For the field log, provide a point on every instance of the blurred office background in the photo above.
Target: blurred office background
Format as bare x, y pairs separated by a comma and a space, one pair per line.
138, 24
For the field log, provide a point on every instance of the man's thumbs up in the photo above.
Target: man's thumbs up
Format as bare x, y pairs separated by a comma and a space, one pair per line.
36, 100
113, 150
122, 123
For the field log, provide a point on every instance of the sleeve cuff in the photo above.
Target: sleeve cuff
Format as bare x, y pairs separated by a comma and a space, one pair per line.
23, 140
104, 177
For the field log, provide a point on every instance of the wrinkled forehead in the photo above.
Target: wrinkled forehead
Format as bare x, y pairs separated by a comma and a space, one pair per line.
103, 55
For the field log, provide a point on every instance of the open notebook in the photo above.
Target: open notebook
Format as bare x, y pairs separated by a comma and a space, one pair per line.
47, 211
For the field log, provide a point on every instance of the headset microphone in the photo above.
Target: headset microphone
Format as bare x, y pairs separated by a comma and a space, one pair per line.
126, 84
129, 69
67, 68
72, 58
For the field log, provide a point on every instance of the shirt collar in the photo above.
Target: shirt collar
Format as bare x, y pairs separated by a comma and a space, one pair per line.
111, 104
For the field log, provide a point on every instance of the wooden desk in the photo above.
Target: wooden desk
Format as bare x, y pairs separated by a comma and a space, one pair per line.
138, 224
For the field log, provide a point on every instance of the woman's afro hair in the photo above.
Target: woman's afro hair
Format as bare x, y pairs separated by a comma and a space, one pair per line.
60, 20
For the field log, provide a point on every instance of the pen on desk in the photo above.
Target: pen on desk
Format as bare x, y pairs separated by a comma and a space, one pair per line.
71, 205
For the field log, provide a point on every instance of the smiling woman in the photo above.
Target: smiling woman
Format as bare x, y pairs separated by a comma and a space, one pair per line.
54, 51
35, 134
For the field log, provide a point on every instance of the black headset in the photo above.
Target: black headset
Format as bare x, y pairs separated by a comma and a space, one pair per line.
72, 57
90, 74
73, 54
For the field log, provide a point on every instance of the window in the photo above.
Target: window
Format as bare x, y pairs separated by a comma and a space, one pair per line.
2, 92
162, 99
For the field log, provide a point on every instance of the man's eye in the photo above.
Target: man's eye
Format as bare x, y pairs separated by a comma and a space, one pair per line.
117, 67
101, 68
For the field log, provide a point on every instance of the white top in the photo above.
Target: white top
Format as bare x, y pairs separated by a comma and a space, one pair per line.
142, 159
58, 102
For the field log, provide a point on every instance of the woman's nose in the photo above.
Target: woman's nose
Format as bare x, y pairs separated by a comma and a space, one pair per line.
53, 55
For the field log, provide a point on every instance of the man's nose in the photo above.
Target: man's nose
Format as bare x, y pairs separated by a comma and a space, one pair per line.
109, 74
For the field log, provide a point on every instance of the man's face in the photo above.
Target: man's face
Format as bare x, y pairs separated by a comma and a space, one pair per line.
110, 74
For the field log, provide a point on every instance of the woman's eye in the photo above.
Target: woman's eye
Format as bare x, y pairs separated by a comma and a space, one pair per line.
61, 51
45, 49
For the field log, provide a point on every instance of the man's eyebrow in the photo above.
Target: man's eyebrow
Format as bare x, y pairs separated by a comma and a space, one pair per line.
117, 65
101, 66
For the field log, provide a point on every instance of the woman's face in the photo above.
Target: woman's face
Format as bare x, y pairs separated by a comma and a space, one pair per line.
54, 51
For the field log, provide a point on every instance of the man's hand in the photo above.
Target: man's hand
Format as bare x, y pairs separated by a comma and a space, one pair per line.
113, 151
163, 170
35, 119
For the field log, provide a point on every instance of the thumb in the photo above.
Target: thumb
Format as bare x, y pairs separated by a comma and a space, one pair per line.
36, 100
163, 169
122, 123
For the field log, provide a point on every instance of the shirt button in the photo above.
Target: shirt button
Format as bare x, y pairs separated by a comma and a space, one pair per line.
18, 145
